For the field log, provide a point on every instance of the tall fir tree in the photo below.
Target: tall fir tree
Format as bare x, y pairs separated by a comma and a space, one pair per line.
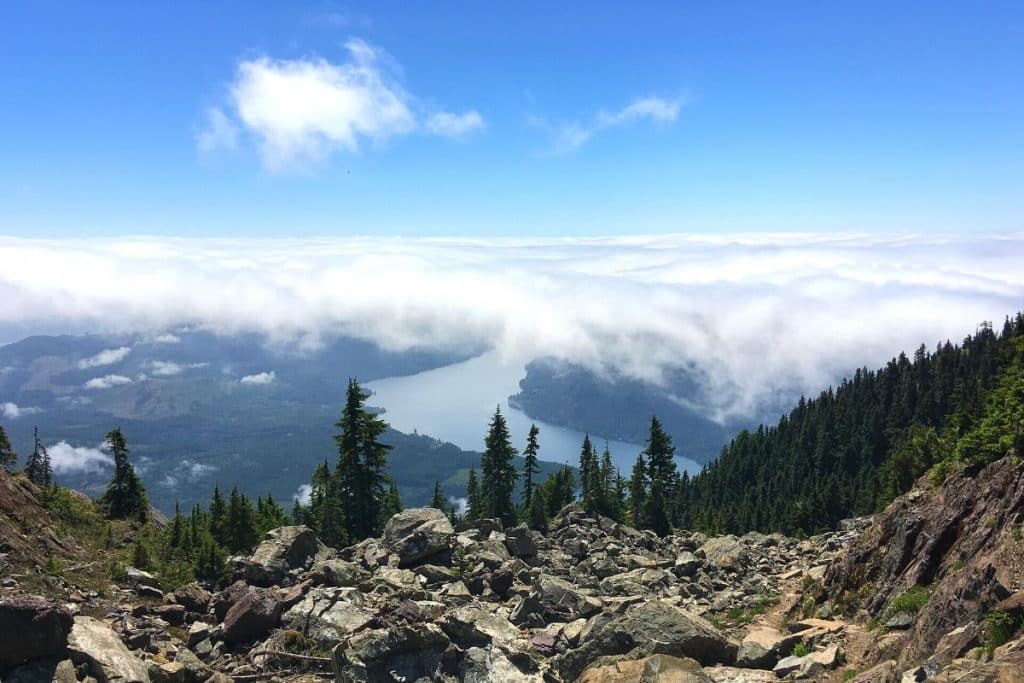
241, 525
218, 517
37, 467
497, 467
438, 500
638, 492
362, 465
589, 493
8, 458
531, 467
474, 503
662, 475
125, 496
610, 505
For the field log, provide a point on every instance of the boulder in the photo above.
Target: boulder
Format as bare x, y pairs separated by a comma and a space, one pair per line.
252, 616
46, 670
328, 615
725, 552
172, 614
480, 665
417, 534
687, 564
225, 600
281, 550
409, 653
763, 646
93, 644
562, 601
138, 578
193, 597
519, 541
653, 669
32, 627
651, 627
731, 674
476, 626
333, 572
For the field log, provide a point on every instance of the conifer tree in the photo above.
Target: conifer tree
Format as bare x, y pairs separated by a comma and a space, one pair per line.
362, 465
438, 500
609, 505
638, 492
218, 517
497, 467
474, 503
125, 496
36, 465
588, 476
392, 503
8, 458
558, 490
662, 475
537, 514
531, 466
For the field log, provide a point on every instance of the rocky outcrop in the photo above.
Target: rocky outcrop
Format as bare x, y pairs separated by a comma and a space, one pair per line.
405, 653
32, 627
654, 669
417, 534
280, 551
252, 616
945, 558
96, 646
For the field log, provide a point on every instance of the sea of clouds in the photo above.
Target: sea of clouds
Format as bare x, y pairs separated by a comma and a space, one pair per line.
751, 312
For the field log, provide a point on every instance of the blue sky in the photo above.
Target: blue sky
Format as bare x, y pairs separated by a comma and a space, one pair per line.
523, 118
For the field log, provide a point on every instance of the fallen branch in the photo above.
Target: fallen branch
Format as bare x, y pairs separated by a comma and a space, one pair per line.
282, 653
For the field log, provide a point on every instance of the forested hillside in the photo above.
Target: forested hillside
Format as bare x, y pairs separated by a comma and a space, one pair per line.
853, 448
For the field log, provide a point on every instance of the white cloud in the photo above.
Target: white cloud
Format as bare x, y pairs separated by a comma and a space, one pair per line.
107, 382
107, 357
218, 133
301, 110
455, 125
572, 135
166, 368
459, 504
167, 338
259, 378
303, 493
68, 459
12, 411
751, 312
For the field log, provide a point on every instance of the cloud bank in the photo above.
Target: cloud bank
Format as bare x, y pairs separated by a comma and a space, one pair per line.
107, 357
752, 314
260, 378
107, 382
68, 459
301, 110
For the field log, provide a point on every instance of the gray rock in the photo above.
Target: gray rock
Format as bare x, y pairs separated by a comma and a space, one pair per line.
338, 573
900, 621
252, 616
281, 550
687, 564
43, 671
137, 577
329, 615
480, 665
475, 626
562, 601
725, 552
404, 653
194, 597
95, 645
519, 541
417, 534
32, 627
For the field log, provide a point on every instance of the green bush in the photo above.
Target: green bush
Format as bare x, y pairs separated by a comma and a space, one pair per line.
912, 601
800, 650
998, 628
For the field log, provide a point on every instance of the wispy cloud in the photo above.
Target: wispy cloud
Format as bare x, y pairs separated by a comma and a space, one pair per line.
167, 338
68, 459
455, 125
302, 110
261, 378
13, 411
750, 312
165, 368
107, 382
107, 357
572, 135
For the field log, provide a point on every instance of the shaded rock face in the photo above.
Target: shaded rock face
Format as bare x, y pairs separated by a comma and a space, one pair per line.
650, 628
406, 653
95, 645
417, 534
280, 551
252, 616
328, 615
32, 627
961, 540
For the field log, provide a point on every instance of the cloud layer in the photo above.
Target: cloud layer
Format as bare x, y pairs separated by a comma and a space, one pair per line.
301, 110
753, 313
68, 459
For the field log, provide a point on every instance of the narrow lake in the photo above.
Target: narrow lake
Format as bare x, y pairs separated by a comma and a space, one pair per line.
455, 403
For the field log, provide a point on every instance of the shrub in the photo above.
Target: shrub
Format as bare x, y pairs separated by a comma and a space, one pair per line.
912, 601
998, 628
800, 650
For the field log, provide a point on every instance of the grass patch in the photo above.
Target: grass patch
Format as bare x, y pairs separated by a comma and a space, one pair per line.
912, 601
998, 627
800, 650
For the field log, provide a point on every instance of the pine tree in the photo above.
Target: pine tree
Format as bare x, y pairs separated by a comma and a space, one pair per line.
497, 467
588, 476
218, 517
531, 466
125, 496
35, 466
438, 500
8, 458
474, 503
638, 492
537, 518
662, 474
362, 465
392, 503
609, 504
241, 529
211, 563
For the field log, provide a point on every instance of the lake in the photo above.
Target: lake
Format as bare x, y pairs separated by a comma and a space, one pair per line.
455, 403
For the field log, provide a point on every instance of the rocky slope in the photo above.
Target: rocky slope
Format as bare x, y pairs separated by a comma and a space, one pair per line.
908, 596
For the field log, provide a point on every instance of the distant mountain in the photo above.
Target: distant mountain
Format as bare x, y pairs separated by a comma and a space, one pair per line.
620, 408
200, 409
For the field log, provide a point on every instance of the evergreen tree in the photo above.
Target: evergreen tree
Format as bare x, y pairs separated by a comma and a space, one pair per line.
638, 492
37, 466
589, 475
438, 500
531, 466
362, 466
241, 528
125, 496
392, 503
662, 475
211, 562
8, 458
497, 467
558, 490
474, 503
537, 518
609, 503
218, 518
